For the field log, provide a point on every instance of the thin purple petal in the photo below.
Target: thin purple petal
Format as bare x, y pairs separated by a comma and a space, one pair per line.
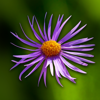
80, 46
35, 68
69, 34
67, 73
85, 60
51, 68
64, 39
49, 62
77, 49
28, 66
45, 28
29, 38
40, 29
36, 35
36, 60
79, 54
49, 28
56, 66
43, 69
18, 63
58, 79
57, 26
58, 32
25, 48
26, 60
74, 59
24, 41
76, 41
45, 72
64, 67
28, 56
62, 71
71, 66
23, 71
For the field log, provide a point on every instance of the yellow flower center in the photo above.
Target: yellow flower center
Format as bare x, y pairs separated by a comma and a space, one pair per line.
51, 48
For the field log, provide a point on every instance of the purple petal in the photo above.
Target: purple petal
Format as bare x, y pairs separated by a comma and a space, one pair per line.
77, 41
58, 32
25, 48
64, 67
74, 59
71, 66
79, 54
24, 41
67, 73
26, 60
58, 79
43, 69
18, 63
35, 68
49, 62
40, 29
79, 49
62, 71
51, 68
58, 67
36, 60
57, 26
45, 28
45, 72
87, 45
74, 28
49, 28
69, 34
28, 56
80, 46
85, 60
29, 38
28, 66
36, 35
64, 39
24, 69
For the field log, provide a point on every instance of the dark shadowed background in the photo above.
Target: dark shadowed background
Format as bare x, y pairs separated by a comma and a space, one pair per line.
13, 12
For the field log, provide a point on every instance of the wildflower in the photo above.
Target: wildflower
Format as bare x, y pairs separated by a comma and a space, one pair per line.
51, 51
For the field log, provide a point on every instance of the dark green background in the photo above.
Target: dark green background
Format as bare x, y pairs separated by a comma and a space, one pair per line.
13, 12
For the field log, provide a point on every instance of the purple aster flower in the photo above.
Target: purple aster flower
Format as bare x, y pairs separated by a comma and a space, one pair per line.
51, 51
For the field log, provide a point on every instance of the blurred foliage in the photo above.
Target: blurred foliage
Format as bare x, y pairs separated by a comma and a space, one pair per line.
13, 12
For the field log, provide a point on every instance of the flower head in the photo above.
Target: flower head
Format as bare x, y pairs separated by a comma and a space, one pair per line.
51, 48
51, 51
